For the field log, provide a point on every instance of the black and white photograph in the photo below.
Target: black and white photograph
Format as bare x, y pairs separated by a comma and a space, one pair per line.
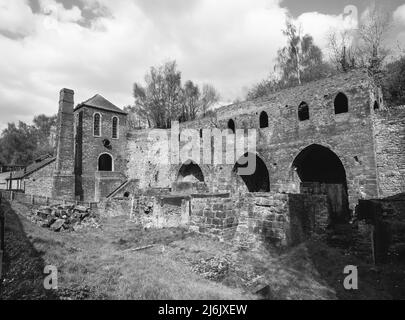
202, 156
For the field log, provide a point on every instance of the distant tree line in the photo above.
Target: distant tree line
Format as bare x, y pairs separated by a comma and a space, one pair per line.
22, 143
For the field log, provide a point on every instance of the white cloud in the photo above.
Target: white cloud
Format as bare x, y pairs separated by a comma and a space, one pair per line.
321, 25
399, 15
229, 43
15, 16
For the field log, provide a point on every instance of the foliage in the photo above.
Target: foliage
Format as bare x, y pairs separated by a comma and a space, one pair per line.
394, 82
163, 99
362, 47
21, 143
300, 61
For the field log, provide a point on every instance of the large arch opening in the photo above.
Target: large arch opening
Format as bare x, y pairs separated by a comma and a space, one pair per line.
105, 162
321, 171
190, 179
257, 179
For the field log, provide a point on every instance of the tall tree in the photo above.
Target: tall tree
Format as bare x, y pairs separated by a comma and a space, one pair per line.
191, 101
160, 100
208, 98
300, 61
163, 99
363, 47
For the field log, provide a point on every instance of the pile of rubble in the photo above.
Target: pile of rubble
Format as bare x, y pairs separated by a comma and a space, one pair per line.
60, 218
214, 268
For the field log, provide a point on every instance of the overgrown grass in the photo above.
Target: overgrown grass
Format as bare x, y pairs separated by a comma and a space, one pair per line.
99, 264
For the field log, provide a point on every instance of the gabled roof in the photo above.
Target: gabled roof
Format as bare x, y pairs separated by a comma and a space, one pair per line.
38, 164
99, 102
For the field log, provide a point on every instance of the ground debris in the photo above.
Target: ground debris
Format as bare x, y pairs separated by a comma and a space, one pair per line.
68, 218
213, 268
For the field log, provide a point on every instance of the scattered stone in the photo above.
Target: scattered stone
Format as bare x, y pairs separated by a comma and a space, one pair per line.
60, 218
57, 225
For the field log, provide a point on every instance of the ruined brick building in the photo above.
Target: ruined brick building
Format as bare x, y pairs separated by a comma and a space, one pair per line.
333, 136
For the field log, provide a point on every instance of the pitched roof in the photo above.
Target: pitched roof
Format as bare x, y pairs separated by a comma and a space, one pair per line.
99, 102
38, 164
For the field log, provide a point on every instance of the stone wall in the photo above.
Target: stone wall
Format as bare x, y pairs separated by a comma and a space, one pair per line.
348, 135
215, 215
260, 219
389, 128
386, 221
40, 183
150, 211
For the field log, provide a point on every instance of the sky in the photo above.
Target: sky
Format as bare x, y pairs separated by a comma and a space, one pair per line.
104, 46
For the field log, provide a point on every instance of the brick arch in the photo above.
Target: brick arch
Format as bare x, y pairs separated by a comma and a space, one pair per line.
318, 169
259, 179
105, 156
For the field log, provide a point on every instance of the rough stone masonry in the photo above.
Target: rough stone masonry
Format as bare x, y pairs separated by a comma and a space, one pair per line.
331, 141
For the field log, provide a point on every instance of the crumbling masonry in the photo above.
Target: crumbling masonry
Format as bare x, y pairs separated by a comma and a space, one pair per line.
321, 147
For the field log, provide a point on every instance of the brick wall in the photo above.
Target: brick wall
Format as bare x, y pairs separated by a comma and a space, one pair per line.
89, 148
40, 183
348, 135
389, 128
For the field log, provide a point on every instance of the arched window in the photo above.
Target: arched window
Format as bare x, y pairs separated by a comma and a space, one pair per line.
376, 105
97, 125
264, 120
105, 162
231, 125
115, 128
341, 103
303, 111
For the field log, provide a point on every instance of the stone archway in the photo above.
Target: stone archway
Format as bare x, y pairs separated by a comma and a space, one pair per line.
320, 171
105, 162
255, 180
190, 179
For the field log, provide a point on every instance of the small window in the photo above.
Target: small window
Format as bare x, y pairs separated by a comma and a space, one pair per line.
264, 120
97, 125
341, 103
115, 128
303, 111
376, 105
231, 125
105, 162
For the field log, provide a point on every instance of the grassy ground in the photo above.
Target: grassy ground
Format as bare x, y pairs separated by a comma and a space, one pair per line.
99, 264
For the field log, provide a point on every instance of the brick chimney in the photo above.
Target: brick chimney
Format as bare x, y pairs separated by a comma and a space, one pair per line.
63, 184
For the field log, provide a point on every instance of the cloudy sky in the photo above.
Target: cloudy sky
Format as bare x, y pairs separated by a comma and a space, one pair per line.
104, 46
